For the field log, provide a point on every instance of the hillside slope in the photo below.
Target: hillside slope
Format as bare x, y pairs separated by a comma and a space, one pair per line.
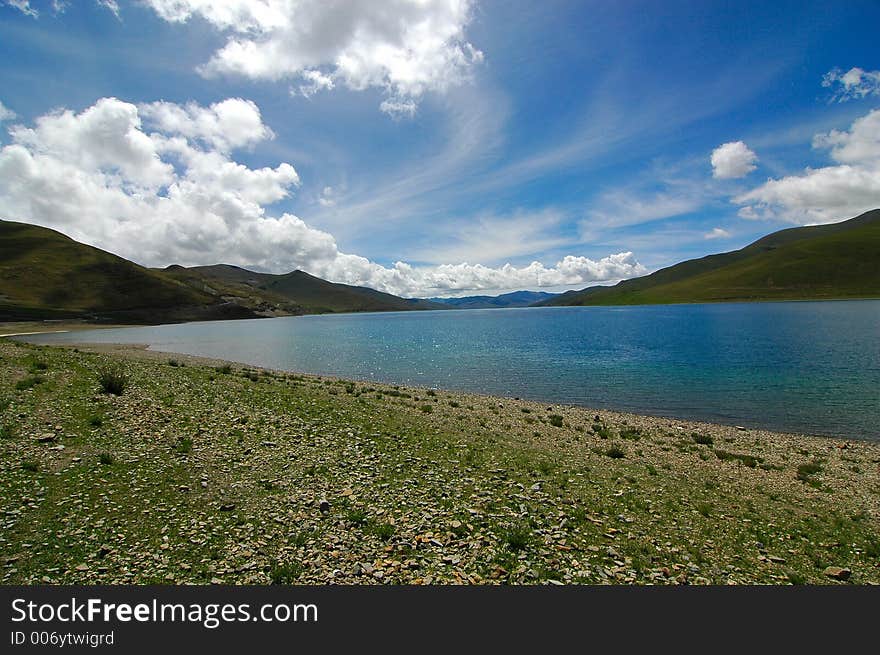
299, 289
840, 260
45, 274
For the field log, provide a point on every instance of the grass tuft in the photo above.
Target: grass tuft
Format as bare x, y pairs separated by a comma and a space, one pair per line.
112, 380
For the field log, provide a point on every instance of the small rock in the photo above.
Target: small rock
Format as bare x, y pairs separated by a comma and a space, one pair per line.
837, 573
324, 506
46, 437
227, 507
82, 567
776, 560
536, 487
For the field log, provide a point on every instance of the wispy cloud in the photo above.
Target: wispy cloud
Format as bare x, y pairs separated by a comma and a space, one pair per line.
717, 233
854, 84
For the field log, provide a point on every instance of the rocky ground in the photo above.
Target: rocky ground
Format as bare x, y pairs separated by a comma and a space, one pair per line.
201, 472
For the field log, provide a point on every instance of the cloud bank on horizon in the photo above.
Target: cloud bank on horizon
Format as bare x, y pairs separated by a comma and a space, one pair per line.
174, 194
274, 144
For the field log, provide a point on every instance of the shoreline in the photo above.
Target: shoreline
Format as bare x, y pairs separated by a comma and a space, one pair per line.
132, 349
150, 354
203, 472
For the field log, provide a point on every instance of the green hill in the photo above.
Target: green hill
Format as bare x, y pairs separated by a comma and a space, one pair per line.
47, 275
296, 289
840, 260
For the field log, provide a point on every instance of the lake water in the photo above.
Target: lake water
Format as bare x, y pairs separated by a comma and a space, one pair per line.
801, 366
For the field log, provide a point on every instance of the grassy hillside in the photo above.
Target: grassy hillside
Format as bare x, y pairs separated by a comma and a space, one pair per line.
47, 275
44, 275
299, 289
841, 260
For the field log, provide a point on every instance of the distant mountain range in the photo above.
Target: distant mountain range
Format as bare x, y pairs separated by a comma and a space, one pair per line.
839, 260
514, 299
47, 275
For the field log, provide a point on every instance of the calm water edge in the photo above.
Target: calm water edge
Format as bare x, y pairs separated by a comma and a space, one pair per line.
809, 367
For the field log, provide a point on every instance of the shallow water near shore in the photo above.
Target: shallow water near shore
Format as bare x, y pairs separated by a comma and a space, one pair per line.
811, 367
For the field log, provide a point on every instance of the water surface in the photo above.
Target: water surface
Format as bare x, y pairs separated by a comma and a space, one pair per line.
798, 366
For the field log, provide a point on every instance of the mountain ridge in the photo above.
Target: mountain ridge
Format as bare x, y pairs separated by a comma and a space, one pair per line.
44, 274
512, 299
832, 261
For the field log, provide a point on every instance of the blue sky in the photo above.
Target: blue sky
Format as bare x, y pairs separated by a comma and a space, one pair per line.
448, 148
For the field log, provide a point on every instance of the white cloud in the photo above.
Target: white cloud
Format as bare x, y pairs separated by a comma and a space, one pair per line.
406, 47
110, 5
232, 123
6, 114
717, 233
859, 145
315, 81
854, 84
169, 192
24, 6
60, 6
732, 160
399, 107
326, 199
827, 194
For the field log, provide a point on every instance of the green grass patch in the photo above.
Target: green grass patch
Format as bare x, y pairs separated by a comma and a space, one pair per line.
113, 380
29, 382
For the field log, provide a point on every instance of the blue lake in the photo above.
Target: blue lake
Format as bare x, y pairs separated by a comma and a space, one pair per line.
799, 366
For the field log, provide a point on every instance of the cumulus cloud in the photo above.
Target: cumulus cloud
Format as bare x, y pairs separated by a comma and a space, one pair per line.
157, 183
732, 160
831, 193
854, 84
717, 233
406, 47
232, 123
24, 6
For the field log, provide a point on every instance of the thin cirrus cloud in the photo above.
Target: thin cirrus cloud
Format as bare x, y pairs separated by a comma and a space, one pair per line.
732, 161
24, 6
6, 114
823, 195
58, 6
854, 84
405, 47
157, 183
